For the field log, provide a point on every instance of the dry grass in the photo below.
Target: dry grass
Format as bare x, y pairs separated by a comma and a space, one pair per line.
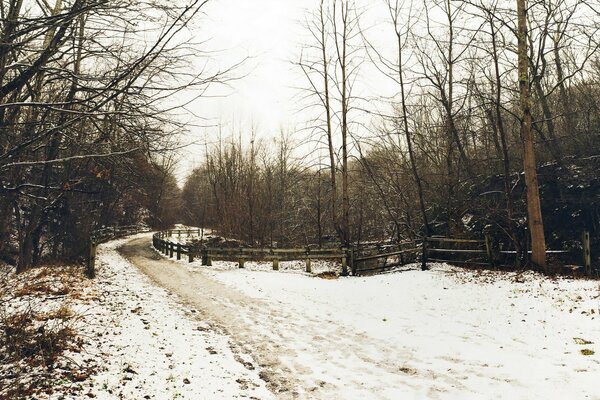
37, 329
327, 275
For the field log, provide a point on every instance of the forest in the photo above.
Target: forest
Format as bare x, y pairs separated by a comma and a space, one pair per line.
169, 230
445, 154
487, 98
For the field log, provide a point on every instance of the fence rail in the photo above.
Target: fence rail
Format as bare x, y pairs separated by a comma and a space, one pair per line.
360, 261
459, 251
102, 235
161, 242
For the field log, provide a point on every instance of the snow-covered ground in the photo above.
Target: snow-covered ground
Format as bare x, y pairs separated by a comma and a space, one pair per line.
153, 347
446, 333
139, 342
154, 328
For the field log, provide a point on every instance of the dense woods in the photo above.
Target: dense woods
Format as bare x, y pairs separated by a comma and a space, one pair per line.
84, 129
445, 155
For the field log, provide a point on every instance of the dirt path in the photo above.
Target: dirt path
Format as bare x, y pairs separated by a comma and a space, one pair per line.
225, 309
301, 356
419, 335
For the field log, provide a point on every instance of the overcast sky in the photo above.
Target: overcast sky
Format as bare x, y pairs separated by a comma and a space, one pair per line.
271, 34
268, 32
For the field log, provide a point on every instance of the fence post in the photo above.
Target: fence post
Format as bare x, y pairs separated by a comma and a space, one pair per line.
241, 262
190, 254
179, 251
91, 267
171, 249
308, 262
275, 264
587, 255
345, 262
401, 254
206, 261
489, 250
424, 254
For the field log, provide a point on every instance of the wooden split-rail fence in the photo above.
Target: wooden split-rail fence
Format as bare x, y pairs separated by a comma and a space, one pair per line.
102, 235
357, 260
165, 243
459, 251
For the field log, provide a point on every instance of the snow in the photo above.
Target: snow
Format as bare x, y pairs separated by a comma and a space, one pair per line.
162, 329
446, 333
146, 345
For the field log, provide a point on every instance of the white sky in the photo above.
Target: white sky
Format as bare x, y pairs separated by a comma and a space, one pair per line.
267, 32
271, 33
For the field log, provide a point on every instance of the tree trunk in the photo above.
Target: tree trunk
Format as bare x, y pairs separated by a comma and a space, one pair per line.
534, 209
327, 104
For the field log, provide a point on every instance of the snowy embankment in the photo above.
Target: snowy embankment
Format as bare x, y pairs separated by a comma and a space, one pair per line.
132, 340
446, 333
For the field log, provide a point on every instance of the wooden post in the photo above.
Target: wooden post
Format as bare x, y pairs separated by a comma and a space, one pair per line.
275, 264
190, 255
424, 254
241, 262
489, 250
171, 246
206, 261
308, 261
179, 251
401, 254
345, 263
91, 267
587, 255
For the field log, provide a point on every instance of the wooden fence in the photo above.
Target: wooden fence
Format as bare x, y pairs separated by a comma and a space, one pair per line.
104, 235
360, 260
162, 241
459, 251
371, 259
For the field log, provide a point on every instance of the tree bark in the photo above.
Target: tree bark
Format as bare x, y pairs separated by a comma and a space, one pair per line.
534, 209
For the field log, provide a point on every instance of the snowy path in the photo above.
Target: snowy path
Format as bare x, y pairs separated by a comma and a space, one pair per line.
146, 345
442, 334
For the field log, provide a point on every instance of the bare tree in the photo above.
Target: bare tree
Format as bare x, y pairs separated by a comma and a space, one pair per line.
76, 104
534, 209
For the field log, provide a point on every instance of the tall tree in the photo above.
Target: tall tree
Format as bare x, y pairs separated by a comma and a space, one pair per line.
534, 207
